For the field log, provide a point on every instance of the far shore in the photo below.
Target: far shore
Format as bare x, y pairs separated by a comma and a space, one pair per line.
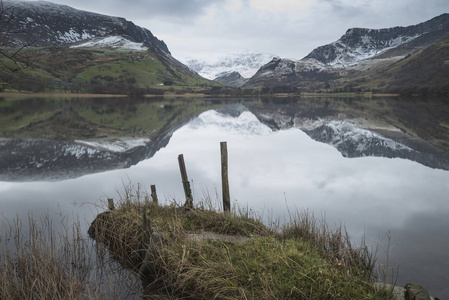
58, 95
85, 95
188, 95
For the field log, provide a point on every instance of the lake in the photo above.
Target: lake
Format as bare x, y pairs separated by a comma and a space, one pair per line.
377, 166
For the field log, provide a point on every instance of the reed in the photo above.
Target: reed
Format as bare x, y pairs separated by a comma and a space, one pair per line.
42, 260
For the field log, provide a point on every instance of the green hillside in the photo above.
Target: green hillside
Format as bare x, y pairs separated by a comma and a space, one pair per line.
60, 69
425, 71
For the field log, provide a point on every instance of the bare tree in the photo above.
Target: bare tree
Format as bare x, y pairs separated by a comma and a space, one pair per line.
12, 59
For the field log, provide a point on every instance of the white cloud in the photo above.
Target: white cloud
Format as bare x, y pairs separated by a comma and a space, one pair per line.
234, 6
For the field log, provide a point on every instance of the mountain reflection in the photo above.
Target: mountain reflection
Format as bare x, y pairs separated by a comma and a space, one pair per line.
58, 139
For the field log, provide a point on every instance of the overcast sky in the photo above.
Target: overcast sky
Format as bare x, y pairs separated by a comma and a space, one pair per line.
286, 28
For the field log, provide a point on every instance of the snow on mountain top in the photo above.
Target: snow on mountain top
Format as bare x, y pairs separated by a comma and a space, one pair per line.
359, 44
368, 48
115, 42
246, 63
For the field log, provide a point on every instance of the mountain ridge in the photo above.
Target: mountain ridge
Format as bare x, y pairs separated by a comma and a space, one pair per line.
357, 55
369, 43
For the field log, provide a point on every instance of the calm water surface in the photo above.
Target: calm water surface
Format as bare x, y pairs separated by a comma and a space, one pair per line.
274, 173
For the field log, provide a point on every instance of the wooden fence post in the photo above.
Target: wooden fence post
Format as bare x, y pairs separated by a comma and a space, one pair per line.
185, 182
154, 194
224, 177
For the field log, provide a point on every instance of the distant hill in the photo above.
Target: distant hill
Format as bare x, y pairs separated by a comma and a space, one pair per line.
80, 51
360, 55
232, 78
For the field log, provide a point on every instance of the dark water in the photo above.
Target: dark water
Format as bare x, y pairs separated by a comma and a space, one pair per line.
274, 168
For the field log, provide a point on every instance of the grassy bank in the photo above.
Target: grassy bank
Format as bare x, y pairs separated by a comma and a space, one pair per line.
205, 254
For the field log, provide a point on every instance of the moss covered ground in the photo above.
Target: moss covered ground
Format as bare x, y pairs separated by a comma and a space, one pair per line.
301, 260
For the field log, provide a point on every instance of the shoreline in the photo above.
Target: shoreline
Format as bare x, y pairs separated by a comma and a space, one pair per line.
190, 95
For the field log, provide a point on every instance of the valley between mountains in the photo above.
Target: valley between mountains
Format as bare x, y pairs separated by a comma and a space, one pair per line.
70, 50
357, 130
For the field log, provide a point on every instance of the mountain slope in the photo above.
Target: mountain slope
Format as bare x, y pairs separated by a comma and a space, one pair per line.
107, 71
421, 72
81, 51
49, 24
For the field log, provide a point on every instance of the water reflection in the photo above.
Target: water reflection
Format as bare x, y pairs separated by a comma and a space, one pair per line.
272, 172
57, 139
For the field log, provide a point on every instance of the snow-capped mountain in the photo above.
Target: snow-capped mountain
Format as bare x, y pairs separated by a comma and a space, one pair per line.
359, 44
49, 24
246, 63
357, 47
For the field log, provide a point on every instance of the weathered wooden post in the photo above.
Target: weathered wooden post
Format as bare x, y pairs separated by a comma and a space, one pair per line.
154, 194
224, 177
185, 182
111, 204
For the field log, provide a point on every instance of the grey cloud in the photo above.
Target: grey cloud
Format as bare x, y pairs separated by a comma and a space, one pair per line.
179, 8
170, 9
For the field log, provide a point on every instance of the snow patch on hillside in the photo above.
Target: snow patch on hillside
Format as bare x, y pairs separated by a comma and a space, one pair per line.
115, 42
347, 56
79, 151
